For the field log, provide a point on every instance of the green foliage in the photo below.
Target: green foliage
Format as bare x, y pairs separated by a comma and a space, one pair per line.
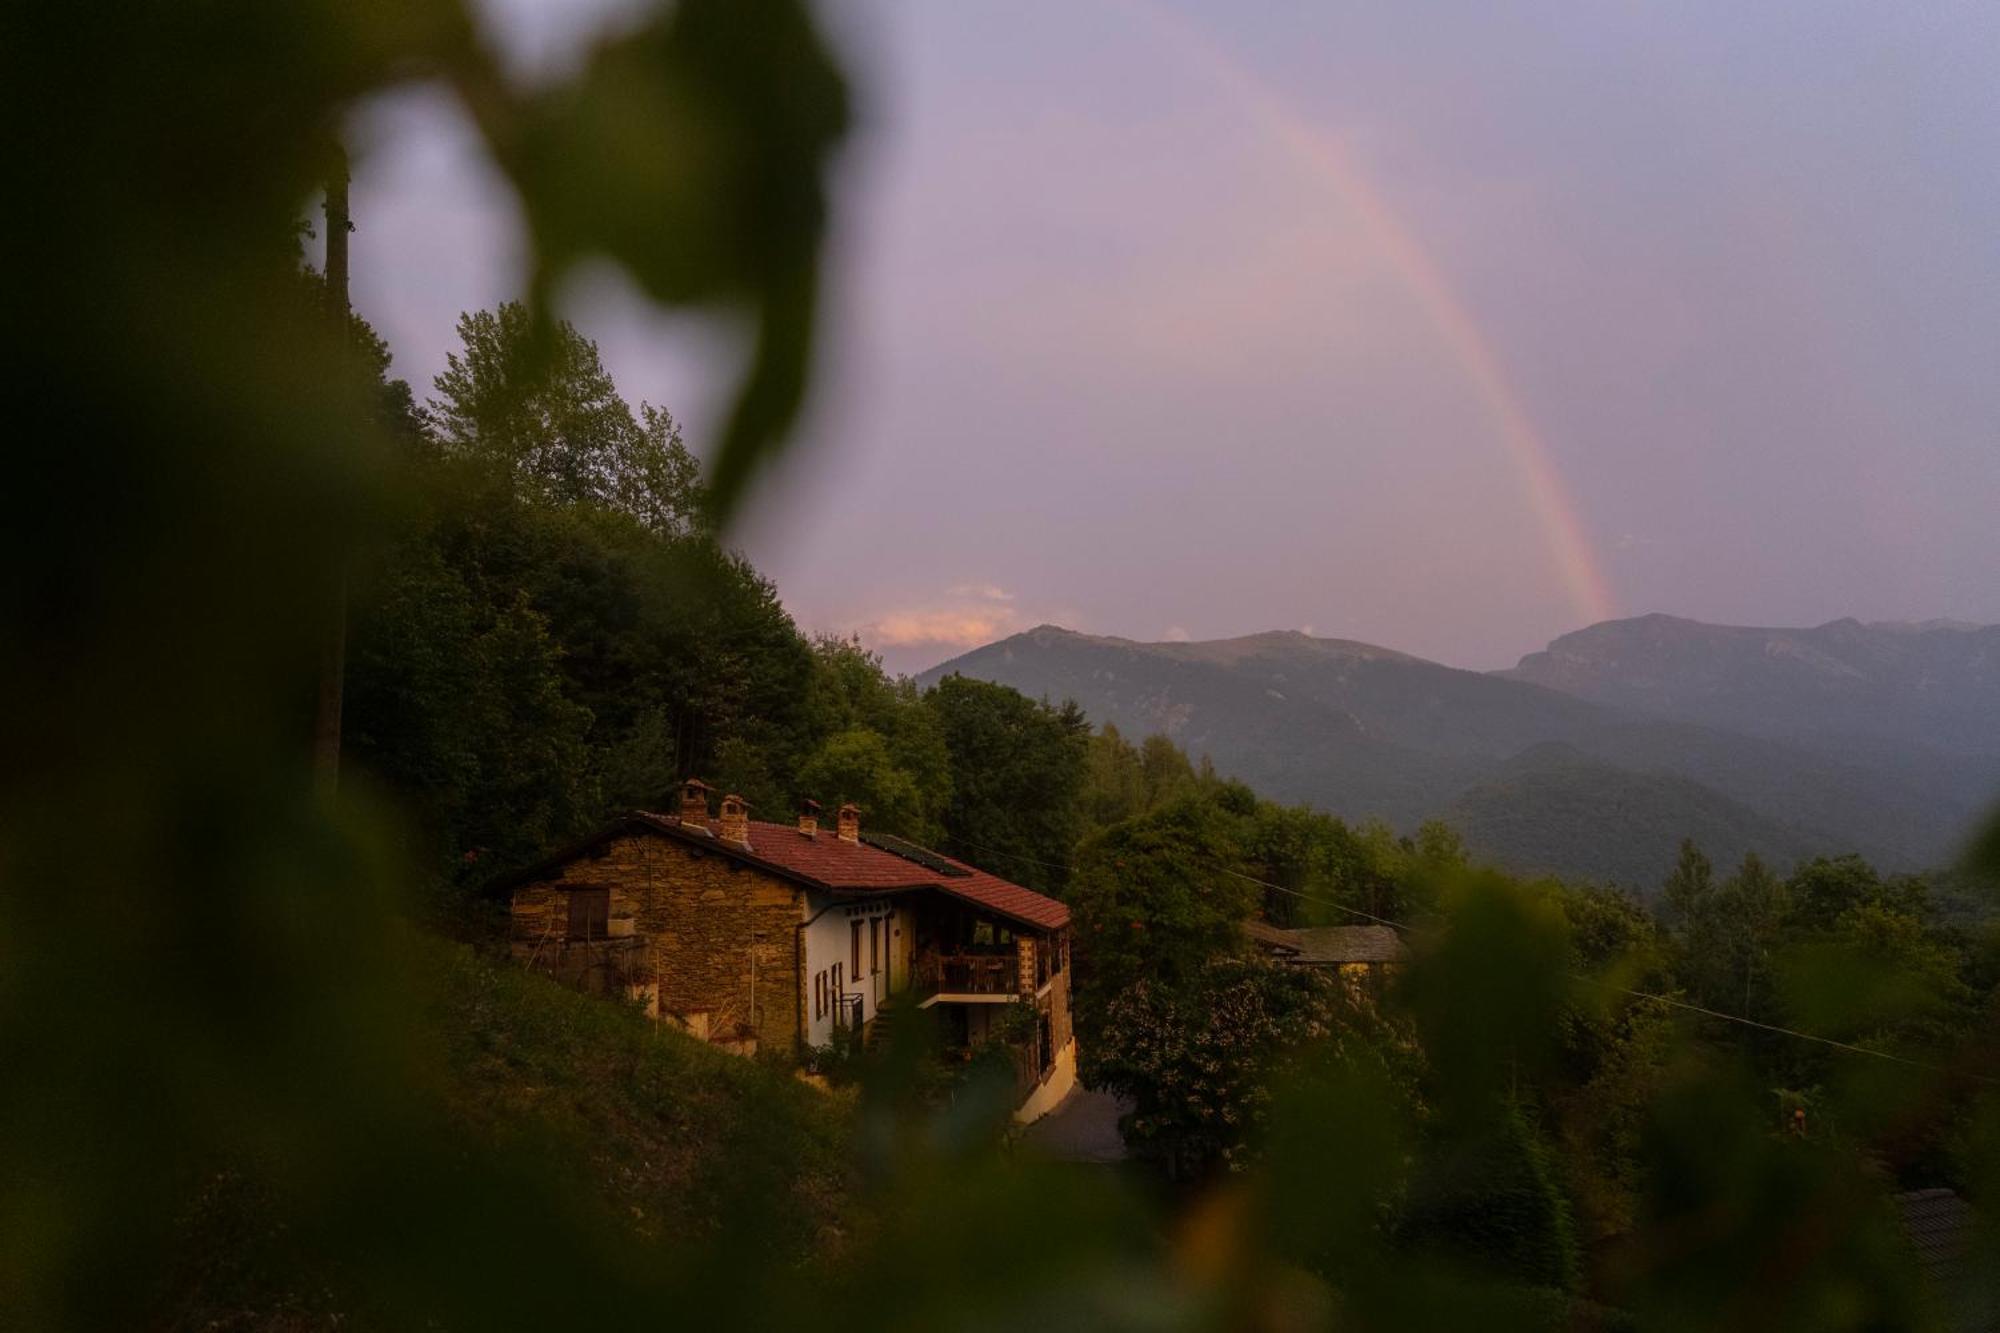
883, 749
203, 456
1122, 780
1490, 1202
1200, 1055
1825, 888
666, 655
541, 411
1152, 901
1730, 937
857, 766
1689, 885
1017, 772
1716, 1170
664, 1127
463, 705
692, 152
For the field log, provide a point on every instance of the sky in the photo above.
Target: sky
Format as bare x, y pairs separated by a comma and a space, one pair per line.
1450, 327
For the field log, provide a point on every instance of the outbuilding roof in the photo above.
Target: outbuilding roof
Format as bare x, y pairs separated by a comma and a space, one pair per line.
1329, 945
825, 861
1941, 1227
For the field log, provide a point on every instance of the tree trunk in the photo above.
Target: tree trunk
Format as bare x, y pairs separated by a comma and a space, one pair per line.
333, 656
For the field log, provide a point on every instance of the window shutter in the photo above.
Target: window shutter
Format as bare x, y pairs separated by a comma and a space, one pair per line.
589, 913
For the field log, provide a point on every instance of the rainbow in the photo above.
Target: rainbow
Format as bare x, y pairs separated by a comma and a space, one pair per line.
1569, 546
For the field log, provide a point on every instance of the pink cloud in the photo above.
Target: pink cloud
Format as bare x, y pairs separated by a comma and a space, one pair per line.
947, 627
985, 592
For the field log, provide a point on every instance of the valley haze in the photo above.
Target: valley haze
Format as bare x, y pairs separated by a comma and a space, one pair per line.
1593, 757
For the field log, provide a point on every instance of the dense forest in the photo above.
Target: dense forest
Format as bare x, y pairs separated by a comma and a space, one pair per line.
552, 632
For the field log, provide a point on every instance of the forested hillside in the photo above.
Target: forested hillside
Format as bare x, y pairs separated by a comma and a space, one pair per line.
1364, 731
1553, 811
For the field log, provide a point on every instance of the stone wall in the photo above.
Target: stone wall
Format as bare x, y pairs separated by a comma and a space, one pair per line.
1058, 1002
712, 942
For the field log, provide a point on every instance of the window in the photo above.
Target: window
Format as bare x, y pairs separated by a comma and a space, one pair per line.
854, 938
589, 913
819, 995
874, 946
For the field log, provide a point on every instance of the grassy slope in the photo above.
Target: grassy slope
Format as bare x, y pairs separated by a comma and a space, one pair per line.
659, 1121
657, 1132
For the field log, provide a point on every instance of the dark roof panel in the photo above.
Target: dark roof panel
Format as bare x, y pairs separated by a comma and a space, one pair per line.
910, 851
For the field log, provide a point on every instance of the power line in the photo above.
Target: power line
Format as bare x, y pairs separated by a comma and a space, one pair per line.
1667, 1000
1794, 1032
1328, 902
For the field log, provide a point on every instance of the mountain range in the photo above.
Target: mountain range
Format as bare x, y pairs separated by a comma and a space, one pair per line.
1592, 758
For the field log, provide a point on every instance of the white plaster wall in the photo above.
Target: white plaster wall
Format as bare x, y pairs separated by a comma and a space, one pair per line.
1051, 1090
828, 942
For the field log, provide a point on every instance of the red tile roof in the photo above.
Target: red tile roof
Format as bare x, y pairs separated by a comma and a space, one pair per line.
825, 861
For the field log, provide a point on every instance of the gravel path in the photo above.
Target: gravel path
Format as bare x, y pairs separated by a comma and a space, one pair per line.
1082, 1128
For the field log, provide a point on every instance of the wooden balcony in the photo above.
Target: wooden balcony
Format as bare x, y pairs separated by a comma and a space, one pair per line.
968, 976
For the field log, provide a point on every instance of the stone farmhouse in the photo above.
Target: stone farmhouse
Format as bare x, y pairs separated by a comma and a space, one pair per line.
762, 936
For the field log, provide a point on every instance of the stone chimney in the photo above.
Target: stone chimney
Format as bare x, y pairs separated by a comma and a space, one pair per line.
735, 820
848, 822
694, 803
809, 818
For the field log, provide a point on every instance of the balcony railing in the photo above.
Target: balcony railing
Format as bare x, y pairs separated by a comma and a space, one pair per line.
969, 974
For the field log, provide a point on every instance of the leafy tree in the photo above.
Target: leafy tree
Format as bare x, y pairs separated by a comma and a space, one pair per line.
1438, 848
1879, 978
851, 692
1153, 900
1491, 1201
1731, 939
1017, 775
1688, 885
1611, 1055
1323, 872
537, 404
1164, 772
1824, 888
460, 706
856, 765
1114, 787
1609, 928
640, 763
676, 653
1199, 1056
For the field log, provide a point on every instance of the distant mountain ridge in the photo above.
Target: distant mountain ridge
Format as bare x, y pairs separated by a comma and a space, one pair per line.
1557, 773
1935, 683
